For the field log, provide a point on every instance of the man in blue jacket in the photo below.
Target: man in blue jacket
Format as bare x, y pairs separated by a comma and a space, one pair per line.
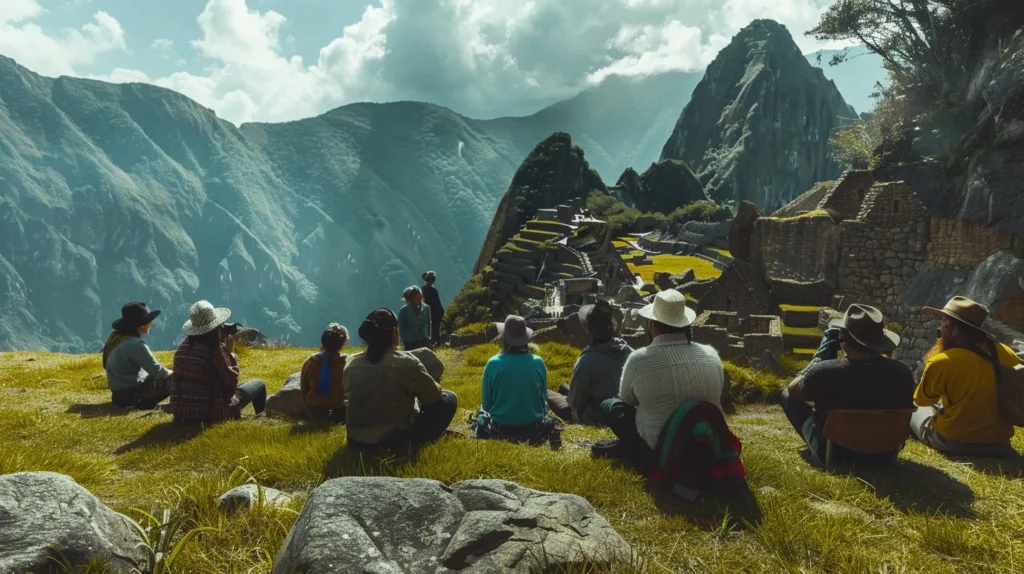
136, 379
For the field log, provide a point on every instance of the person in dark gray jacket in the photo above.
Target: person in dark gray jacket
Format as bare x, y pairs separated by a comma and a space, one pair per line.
595, 378
136, 379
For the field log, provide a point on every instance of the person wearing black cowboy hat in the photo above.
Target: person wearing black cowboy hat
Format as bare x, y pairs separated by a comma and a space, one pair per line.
136, 379
865, 379
957, 399
433, 300
598, 370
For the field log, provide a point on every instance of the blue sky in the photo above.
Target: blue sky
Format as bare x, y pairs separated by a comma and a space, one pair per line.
278, 60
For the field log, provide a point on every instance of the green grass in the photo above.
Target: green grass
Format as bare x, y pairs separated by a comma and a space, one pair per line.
473, 329
800, 308
927, 514
802, 331
809, 214
702, 268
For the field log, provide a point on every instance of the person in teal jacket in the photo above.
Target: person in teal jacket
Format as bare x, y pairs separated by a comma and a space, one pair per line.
414, 320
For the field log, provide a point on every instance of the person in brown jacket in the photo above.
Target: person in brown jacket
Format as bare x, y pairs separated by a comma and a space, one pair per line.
392, 400
320, 381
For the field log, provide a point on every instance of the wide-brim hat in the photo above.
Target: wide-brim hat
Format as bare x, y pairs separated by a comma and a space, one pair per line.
866, 325
134, 315
514, 331
965, 311
669, 308
601, 320
203, 317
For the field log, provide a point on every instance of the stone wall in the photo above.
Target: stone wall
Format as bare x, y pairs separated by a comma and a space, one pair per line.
711, 328
788, 292
884, 248
917, 336
847, 196
963, 243
804, 248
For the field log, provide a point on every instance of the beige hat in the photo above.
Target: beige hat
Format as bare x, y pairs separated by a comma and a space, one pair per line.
669, 308
203, 318
965, 311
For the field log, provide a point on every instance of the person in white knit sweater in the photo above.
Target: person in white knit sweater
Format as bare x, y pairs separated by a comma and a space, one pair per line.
658, 378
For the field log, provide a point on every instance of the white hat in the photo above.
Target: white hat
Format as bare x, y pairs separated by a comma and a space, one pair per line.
669, 308
203, 318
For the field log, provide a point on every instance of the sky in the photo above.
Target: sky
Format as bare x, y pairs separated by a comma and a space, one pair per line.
281, 60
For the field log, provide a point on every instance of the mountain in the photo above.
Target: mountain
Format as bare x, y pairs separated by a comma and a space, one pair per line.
758, 124
111, 193
857, 77
665, 186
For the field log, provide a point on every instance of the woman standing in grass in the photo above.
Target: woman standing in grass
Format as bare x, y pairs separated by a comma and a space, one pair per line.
320, 381
414, 320
433, 300
515, 391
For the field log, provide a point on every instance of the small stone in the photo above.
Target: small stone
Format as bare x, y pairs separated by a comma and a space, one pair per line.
248, 496
30, 360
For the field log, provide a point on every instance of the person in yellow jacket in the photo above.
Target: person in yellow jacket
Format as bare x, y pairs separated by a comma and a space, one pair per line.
957, 399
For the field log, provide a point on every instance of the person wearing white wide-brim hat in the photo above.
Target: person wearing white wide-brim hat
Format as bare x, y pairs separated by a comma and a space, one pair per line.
204, 388
658, 378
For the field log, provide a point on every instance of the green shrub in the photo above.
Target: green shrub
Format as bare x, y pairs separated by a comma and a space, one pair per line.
473, 329
704, 210
470, 305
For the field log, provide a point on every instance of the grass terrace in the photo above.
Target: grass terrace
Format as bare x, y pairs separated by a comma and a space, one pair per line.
926, 514
702, 268
800, 308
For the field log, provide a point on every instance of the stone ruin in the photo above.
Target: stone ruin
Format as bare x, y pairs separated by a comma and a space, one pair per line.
732, 335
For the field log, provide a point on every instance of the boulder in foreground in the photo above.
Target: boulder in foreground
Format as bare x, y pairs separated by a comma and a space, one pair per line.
411, 526
39, 510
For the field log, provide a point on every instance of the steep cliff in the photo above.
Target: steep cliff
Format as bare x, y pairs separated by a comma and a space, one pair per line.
554, 172
665, 186
759, 121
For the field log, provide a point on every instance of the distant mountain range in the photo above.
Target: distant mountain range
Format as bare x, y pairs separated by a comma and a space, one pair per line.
110, 193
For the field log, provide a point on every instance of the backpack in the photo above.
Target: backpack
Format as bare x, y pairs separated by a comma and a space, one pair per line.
1009, 386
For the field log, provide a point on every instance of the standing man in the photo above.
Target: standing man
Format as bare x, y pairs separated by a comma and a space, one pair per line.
658, 378
136, 379
433, 300
958, 413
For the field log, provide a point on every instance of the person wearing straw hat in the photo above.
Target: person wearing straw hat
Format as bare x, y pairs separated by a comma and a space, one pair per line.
204, 388
598, 370
865, 379
433, 300
135, 378
658, 378
515, 390
957, 398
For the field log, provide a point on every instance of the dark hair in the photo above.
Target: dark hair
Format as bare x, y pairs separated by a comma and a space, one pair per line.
333, 338
670, 330
378, 331
971, 335
410, 291
212, 338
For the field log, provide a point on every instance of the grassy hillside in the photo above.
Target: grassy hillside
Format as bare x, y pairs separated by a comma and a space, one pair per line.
926, 514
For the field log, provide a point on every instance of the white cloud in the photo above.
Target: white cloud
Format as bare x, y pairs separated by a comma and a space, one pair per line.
54, 54
164, 47
480, 57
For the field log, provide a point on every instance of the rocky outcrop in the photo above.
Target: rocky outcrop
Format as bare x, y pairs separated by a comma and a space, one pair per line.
758, 123
665, 186
553, 173
411, 526
44, 515
743, 230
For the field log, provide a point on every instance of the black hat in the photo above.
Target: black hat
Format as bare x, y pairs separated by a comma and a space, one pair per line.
601, 320
133, 316
866, 325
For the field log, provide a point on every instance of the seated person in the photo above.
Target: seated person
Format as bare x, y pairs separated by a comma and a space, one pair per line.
597, 373
414, 320
204, 388
392, 400
515, 390
136, 379
320, 380
958, 414
658, 378
863, 380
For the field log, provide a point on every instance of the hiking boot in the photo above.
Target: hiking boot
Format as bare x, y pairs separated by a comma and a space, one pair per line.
609, 448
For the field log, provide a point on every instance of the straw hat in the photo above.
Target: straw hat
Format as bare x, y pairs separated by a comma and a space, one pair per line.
203, 317
669, 308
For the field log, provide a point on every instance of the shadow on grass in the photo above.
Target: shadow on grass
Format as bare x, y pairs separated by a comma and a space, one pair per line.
1010, 467
366, 461
914, 487
737, 508
163, 434
93, 410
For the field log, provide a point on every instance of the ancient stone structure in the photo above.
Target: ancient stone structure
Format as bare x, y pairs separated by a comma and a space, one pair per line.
738, 290
743, 230
803, 247
732, 335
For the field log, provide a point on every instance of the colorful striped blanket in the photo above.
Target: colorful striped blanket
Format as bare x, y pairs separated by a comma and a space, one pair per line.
696, 450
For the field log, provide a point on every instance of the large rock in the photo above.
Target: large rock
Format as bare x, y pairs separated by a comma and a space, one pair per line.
567, 330
39, 510
248, 496
288, 400
429, 359
742, 230
758, 123
411, 526
665, 186
663, 280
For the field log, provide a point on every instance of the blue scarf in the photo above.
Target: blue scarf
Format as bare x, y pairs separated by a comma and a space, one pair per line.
323, 386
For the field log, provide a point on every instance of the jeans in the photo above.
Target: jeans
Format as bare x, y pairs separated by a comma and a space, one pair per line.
431, 423
922, 426
255, 392
621, 418
801, 416
145, 396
